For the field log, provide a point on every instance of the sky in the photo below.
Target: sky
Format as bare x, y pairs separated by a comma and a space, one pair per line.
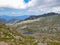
28, 7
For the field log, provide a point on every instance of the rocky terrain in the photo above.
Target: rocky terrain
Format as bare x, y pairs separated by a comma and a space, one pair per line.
40, 30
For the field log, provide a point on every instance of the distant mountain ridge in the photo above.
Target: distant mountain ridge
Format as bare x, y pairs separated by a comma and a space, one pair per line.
43, 15
12, 19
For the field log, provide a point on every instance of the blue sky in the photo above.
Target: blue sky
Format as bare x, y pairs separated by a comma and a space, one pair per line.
27, 1
28, 7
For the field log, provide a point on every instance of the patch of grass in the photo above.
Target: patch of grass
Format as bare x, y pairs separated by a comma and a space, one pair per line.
53, 43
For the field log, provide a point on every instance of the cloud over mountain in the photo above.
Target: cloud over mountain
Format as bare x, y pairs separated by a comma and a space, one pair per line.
45, 5
33, 7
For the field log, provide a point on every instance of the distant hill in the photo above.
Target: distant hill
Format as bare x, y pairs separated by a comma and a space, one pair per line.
14, 17
11, 19
2, 21
43, 15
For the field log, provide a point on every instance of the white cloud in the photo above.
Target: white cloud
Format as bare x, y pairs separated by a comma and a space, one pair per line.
13, 4
44, 6
55, 9
33, 7
20, 4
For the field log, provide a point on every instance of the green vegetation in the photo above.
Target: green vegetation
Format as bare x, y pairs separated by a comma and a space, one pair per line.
12, 37
53, 43
45, 31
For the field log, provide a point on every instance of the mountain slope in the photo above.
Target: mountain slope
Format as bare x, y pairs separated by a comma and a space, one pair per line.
44, 29
12, 37
47, 21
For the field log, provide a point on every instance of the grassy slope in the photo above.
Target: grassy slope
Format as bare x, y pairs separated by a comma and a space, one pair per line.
49, 23
12, 37
44, 29
48, 28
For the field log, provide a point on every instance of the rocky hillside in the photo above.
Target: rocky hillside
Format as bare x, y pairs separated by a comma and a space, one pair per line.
45, 29
12, 37
43, 24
